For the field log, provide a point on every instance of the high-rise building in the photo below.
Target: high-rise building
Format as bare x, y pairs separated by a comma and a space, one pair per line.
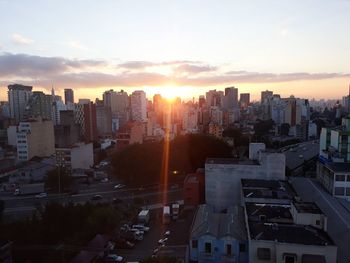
18, 97
39, 105
35, 137
103, 120
244, 100
231, 98
138, 106
68, 96
265, 95
68, 131
214, 98
85, 116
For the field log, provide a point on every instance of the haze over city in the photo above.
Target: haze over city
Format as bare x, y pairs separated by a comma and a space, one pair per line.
177, 48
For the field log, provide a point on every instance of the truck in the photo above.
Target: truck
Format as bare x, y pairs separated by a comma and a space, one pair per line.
143, 217
175, 211
30, 189
166, 215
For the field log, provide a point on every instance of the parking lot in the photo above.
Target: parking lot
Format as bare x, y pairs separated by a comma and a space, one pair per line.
179, 235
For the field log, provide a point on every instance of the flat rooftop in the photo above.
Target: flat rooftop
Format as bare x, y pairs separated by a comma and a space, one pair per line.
271, 189
307, 207
271, 213
231, 161
297, 154
287, 233
339, 167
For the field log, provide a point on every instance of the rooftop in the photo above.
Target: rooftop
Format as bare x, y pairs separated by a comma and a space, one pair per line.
219, 224
287, 233
231, 161
307, 207
339, 167
297, 154
270, 189
271, 213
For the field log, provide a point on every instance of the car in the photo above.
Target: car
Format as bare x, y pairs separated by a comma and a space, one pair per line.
119, 186
124, 244
117, 200
104, 163
41, 195
167, 233
104, 180
114, 258
135, 230
96, 197
141, 227
162, 241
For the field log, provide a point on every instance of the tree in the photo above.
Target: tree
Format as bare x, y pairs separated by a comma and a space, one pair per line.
285, 129
58, 180
262, 127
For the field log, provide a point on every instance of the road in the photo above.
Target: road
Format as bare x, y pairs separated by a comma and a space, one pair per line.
337, 212
17, 207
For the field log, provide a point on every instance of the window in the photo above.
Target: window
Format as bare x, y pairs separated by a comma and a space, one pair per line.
229, 249
289, 259
318, 222
241, 247
194, 243
348, 178
207, 247
264, 253
339, 190
340, 177
347, 191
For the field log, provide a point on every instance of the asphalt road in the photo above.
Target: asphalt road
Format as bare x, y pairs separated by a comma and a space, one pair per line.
337, 213
17, 207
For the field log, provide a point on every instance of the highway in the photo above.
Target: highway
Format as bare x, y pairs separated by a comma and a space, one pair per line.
18, 207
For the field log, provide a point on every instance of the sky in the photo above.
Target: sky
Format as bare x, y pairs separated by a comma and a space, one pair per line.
182, 47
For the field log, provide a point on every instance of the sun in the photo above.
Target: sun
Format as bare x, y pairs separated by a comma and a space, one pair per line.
170, 93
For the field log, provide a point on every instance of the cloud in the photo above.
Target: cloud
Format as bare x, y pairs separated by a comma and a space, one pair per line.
29, 66
63, 72
194, 69
21, 40
77, 45
136, 64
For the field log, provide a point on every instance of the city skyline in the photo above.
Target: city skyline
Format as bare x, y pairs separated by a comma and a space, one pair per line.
182, 48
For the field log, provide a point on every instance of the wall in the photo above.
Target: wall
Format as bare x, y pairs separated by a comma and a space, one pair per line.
82, 157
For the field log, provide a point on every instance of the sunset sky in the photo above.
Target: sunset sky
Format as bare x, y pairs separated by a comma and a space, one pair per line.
183, 48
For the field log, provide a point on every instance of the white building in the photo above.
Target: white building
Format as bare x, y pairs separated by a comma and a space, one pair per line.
223, 176
18, 97
35, 137
78, 156
138, 106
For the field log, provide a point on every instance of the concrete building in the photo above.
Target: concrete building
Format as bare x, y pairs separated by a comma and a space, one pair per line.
282, 232
68, 132
18, 97
35, 137
230, 100
215, 130
214, 98
85, 116
39, 105
138, 106
77, 156
103, 120
194, 188
223, 176
190, 119
68, 96
265, 95
244, 100
218, 237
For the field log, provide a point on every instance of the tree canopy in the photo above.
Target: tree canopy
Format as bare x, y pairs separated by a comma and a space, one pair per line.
142, 163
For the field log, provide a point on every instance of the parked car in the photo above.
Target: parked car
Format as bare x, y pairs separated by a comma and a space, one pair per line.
41, 195
119, 186
113, 258
167, 233
104, 180
124, 244
96, 197
141, 227
162, 241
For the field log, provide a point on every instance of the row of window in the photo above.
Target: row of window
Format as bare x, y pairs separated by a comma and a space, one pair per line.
228, 247
342, 177
342, 191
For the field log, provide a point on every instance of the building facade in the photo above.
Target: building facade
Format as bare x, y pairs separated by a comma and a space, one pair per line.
18, 97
